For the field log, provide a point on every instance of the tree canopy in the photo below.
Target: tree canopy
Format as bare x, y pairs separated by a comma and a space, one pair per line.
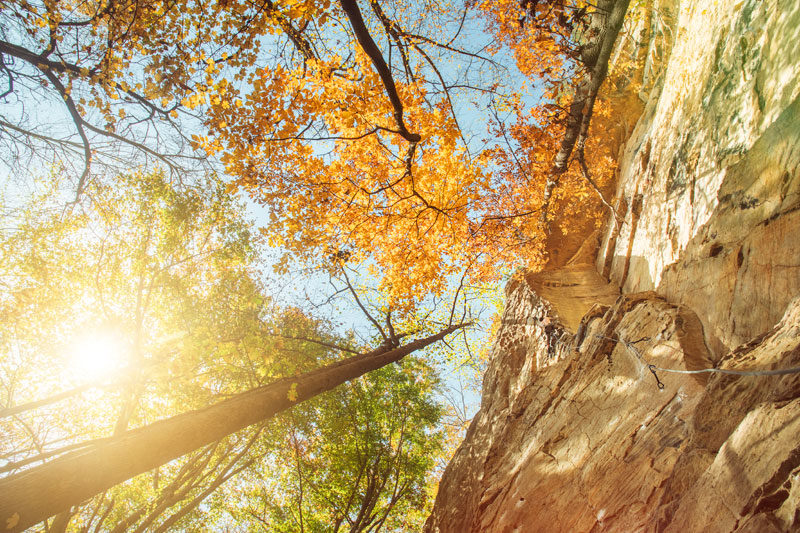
136, 330
348, 121
429, 146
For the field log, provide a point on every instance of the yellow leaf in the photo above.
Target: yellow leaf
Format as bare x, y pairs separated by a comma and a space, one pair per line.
292, 394
12, 521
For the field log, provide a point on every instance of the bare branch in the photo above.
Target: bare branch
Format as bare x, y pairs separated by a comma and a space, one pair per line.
316, 341
361, 305
79, 123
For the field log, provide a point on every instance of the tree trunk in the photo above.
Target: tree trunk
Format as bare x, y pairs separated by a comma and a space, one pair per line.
607, 21
31, 496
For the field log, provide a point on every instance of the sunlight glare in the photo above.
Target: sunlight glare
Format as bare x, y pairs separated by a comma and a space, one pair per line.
97, 356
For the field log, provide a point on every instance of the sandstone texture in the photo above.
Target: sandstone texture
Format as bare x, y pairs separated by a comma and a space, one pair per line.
574, 433
709, 184
587, 422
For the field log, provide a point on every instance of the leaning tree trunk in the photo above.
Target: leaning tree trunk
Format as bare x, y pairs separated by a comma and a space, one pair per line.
606, 23
31, 496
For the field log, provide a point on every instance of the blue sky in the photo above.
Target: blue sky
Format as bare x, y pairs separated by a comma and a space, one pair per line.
306, 288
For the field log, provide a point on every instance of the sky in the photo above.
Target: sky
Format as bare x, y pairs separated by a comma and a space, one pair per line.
308, 289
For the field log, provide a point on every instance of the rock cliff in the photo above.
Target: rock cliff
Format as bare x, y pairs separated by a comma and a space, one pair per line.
591, 418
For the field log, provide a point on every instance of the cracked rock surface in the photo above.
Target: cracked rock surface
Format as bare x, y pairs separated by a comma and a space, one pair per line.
586, 441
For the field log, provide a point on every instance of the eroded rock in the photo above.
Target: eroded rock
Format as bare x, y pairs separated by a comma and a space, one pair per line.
574, 433
710, 179
587, 441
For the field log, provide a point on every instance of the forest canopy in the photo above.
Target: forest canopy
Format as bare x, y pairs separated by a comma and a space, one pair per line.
397, 136
426, 147
142, 304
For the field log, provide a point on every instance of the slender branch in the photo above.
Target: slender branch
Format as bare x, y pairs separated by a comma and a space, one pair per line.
316, 341
361, 305
585, 171
28, 133
10, 76
511, 150
394, 31
446, 90
79, 124
297, 38
39, 403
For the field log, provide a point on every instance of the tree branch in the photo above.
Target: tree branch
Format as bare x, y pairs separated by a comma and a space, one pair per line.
353, 13
35, 494
610, 15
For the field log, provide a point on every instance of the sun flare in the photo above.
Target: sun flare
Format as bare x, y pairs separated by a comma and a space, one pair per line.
98, 355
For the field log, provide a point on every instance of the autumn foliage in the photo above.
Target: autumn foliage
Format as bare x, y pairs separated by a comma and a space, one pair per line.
541, 34
357, 149
394, 140
318, 143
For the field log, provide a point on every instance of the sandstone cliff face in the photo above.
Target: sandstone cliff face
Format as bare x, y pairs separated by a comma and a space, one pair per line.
709, 180
574, 433
586, 441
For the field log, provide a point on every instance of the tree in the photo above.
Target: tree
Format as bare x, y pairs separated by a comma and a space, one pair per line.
35, 494
340, 117
124, 73
127, 77
425, 210
356, 460
172, 269
109, 68
146, 280
138, 262
356, 156
347, 128
552, 33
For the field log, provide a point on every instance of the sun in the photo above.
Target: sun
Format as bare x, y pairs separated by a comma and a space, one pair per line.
97, 355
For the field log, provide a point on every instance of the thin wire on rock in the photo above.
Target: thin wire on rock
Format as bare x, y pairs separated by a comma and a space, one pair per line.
654, 368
